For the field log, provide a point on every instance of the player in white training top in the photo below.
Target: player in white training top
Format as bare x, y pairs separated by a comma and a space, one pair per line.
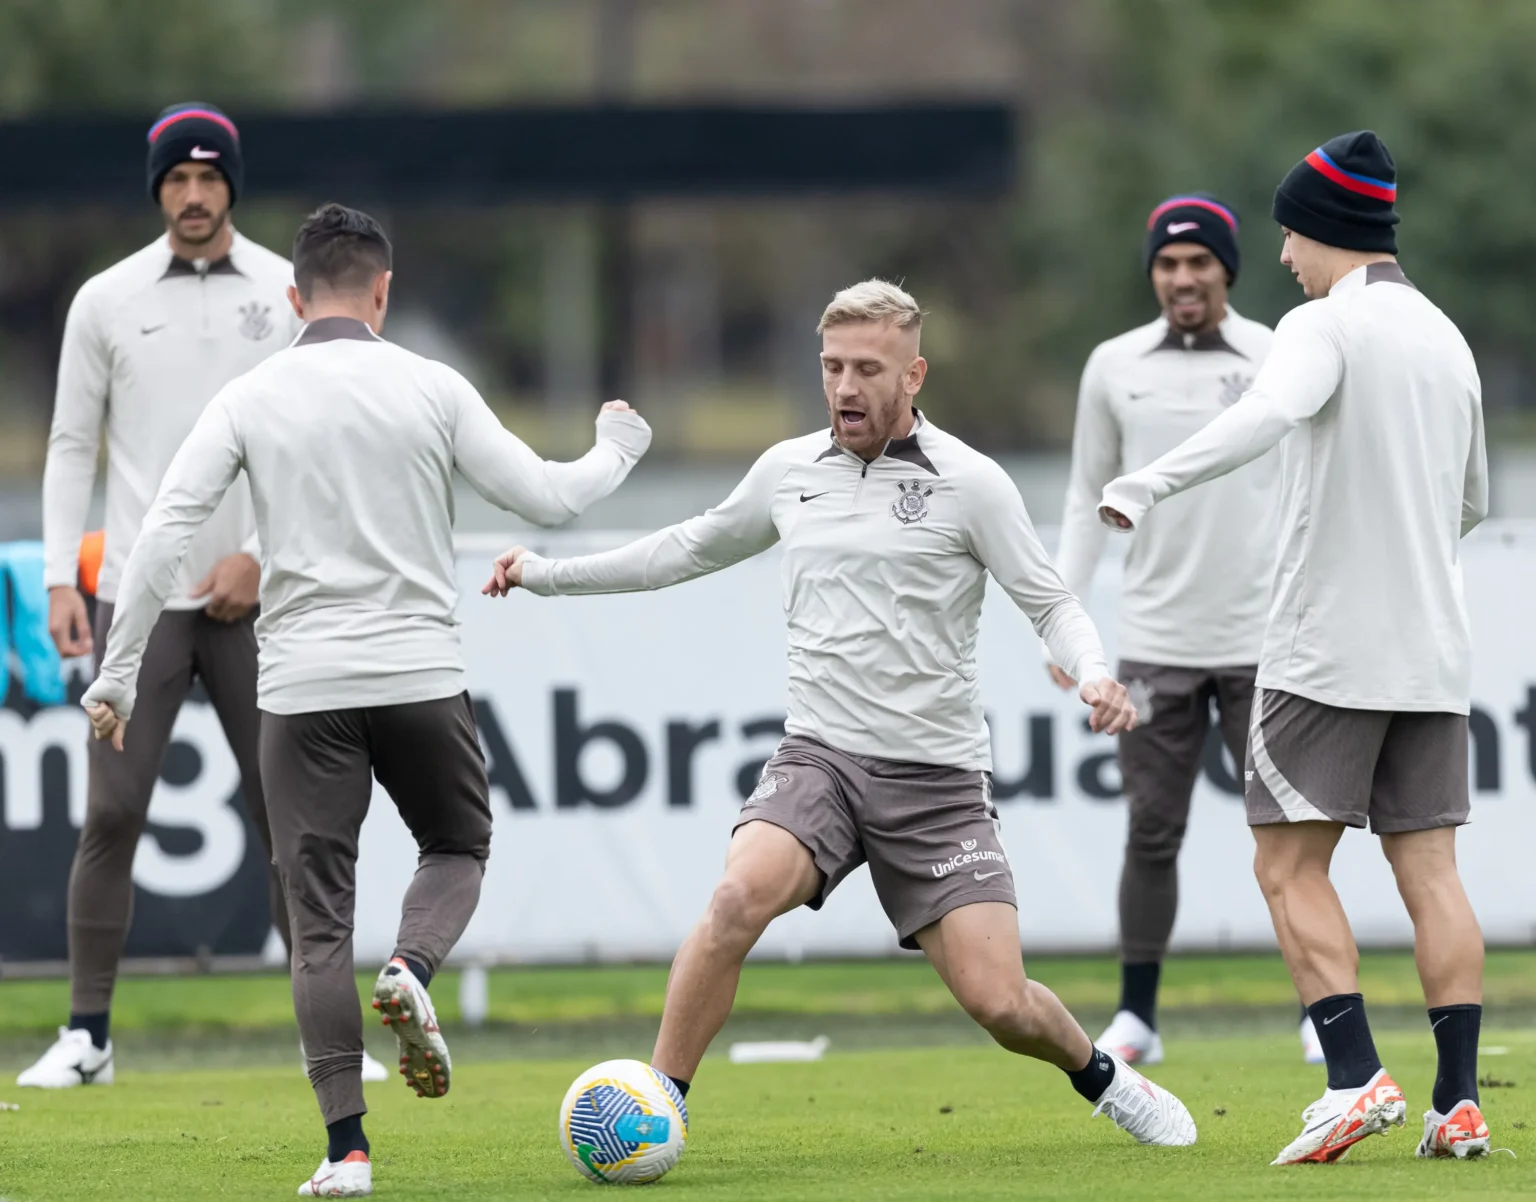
890, 528
1365, 675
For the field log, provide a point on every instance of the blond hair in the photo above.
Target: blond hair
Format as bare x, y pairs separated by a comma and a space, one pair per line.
873, 300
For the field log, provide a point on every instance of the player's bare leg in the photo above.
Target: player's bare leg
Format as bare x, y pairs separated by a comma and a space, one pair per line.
768, 872
1448, 947
975, 950
1291, 863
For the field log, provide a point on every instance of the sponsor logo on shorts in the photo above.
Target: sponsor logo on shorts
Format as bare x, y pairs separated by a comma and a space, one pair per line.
944, 867
767, 787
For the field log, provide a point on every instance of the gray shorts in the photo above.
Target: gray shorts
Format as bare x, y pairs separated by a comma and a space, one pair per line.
1310, 762
929, 833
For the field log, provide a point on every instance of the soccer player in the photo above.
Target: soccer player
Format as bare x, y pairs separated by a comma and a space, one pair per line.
350, 444
1196, 584
146, 345
890, 527
1364, 680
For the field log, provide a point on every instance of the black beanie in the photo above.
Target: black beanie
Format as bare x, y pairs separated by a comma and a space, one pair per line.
1194, 217
195, 132
1342, 194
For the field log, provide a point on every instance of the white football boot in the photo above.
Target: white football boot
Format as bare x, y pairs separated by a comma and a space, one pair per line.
72, 1060
404, 1004
1148, 1112
372, 1069
1311, 1045
348, 1178
1462, 1133
1130, 1039
1341, 1118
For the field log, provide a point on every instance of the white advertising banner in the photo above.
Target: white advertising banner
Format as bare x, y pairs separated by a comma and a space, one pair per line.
624, 731
622, 734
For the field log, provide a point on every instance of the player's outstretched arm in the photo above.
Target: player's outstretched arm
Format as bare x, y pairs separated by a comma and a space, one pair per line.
739, 527
1305, 363
199, 476
1003, 540
504, 470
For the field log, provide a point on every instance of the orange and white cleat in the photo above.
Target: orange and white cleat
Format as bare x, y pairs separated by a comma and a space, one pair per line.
1341, 1118
1461, 1134
404, 1004
351, 1177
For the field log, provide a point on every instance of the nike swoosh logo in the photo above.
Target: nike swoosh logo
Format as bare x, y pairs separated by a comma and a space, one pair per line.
981, 876
1438, 1021
152, 329
197, 152
1341, 1014
813, 496
1136, 396
1179, 227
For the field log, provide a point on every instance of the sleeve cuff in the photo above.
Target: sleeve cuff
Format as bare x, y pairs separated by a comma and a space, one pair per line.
537, 576
1126, 496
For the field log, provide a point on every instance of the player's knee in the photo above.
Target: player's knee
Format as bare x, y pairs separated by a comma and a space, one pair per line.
738, 912
1003, 1011
1152, 840
112, 826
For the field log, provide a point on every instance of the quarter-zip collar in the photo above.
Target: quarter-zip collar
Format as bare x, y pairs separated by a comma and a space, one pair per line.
896, 448
177, 266
1207, 340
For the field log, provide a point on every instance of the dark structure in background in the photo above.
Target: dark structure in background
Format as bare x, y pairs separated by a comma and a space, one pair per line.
601, 153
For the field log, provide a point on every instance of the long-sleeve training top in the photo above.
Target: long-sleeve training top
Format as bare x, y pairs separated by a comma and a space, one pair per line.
1197, 575
147, 344
1384, 469
350, 443
884, 570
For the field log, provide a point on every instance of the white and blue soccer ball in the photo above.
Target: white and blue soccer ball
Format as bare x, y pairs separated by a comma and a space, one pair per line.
623, 1123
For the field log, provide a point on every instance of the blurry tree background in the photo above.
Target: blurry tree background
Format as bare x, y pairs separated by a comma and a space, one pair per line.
1121, 102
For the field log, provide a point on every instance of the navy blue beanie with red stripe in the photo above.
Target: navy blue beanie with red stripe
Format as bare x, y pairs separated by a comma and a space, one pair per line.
1342, 194
1194, 217
195, 133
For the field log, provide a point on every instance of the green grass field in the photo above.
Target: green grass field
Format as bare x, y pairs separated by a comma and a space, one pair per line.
910, 1103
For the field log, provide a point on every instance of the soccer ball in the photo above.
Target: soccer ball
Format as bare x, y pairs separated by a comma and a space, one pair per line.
623, 1123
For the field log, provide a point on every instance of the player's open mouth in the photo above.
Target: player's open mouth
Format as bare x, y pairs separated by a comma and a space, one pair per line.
851, 417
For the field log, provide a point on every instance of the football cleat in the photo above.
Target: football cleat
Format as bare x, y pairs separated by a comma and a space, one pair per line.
1148, 1112
1129, 1038
1341, 1118
1462, 1133
403, 1003
72, 1060
350, 1177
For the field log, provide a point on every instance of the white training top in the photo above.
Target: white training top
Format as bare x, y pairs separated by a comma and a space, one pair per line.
350, 444
885, 567
1198, 572
1383, 471
146, 345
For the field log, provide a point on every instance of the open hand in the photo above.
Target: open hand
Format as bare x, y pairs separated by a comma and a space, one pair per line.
507, 571
1113, 712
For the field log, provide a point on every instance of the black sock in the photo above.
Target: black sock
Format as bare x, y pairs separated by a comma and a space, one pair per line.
1346, 1039
418, 970
682, 1086
1455, 1029
1093, 1079
96, 1024
346, 1136
1138, 990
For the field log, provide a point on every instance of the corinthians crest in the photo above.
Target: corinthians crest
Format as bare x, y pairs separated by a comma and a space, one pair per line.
768, 786
255, 320
912, 505
1233, 387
